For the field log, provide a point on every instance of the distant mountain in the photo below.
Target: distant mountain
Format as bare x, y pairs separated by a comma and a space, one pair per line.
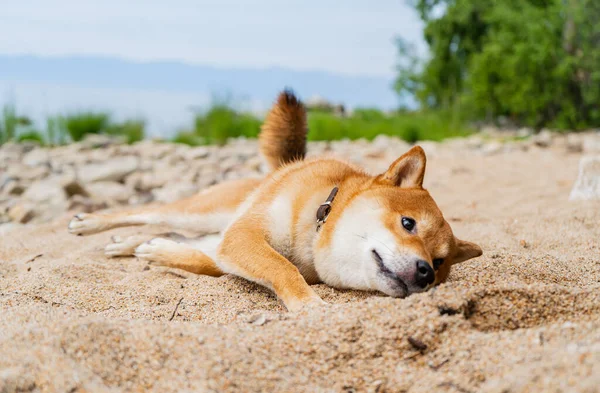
259, 85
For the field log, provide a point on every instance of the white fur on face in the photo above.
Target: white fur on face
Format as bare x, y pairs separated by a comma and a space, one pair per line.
349, 262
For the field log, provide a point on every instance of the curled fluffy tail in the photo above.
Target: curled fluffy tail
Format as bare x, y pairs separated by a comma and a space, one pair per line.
283, 134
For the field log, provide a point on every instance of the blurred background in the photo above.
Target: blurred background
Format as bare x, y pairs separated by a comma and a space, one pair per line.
199, 72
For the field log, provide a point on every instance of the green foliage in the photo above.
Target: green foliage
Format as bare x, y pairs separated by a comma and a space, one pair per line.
188, 138
222, 122
32, 136
64, 129
12, 125
132, 130
411, 126
81, 124
368, 114
218, 124
536, 62
56, 130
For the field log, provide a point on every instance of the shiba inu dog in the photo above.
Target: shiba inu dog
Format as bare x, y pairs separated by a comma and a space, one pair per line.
308, 221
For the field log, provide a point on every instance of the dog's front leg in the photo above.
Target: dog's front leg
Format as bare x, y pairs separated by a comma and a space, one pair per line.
245, 252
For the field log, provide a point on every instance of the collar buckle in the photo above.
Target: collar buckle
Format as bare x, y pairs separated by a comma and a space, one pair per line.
325, 208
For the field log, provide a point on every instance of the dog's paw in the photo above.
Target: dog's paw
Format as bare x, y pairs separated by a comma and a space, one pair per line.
85, 224
123, 247
157, 250
297, 305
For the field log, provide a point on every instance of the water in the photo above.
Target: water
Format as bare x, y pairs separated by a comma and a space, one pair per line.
165, 112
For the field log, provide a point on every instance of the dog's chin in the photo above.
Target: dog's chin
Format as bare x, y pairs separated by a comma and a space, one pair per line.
394, 288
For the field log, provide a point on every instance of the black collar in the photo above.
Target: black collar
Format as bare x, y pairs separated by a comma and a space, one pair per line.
325, 208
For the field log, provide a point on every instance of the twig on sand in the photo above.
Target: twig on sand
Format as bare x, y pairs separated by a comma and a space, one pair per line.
34, 258
175, 310
436, 367
454, 386
417, 344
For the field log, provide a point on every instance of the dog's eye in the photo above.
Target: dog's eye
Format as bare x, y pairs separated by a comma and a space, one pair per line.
437, 263
408, 223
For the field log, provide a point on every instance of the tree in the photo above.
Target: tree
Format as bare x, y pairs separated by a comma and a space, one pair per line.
535, 61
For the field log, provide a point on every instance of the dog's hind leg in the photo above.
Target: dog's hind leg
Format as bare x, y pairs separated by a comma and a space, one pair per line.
209, 211
192, 255
125, 246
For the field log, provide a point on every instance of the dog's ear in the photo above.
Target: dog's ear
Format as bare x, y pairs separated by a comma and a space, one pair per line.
407, 171
465, 251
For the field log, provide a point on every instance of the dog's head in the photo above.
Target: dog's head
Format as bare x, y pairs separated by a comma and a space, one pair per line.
390, 235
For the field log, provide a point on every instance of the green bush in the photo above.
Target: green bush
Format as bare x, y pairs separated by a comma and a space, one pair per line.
132, 130
368, 114
411, 126
81, 124
534, 62
14, 126
11, 123
188, 138
221, 122
31, 135
56, 131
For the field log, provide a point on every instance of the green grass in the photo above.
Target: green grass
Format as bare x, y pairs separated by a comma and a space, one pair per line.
81, 124
132, 130
11, 123
409, 126
221, 122
61, 130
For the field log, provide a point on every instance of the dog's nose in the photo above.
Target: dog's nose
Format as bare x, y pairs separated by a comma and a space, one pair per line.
424, 274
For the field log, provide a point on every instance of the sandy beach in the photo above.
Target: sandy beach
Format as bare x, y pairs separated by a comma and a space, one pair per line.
524, 317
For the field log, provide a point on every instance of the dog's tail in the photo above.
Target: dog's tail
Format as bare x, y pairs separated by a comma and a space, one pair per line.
283, 134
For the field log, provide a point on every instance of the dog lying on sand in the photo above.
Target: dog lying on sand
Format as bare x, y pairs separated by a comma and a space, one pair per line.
309, 221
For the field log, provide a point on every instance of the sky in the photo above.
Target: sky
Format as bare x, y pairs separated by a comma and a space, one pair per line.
352, 37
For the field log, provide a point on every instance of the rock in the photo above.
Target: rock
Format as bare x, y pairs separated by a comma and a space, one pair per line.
378, 149
591, 143
574, 143
161, 174
141, 198
317, 148
525, 132
85, 205
229, 163
174, 191
109, 191
24, 172
13, 188
95, 141
543, 139
196, 153
112, 170
475, 142
254, 164
18, 149
69, 154
21, 213
258, 319
489, 129
36, 157
587, 186
154, 150
47, 190
491, 148
431, 148
73, 187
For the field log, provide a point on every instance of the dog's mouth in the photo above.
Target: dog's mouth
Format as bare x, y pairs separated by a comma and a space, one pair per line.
397, 281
